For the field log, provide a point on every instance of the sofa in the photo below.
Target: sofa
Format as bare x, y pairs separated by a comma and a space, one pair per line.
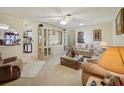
85, 53
110, 62
10, 69
87, 50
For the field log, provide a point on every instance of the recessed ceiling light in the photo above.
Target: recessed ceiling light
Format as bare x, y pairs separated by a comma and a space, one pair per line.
81, 24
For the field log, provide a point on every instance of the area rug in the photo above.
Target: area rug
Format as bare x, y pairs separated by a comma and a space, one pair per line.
31, 69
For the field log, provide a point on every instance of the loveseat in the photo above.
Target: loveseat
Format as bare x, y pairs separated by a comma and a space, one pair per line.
111, 62
10, 69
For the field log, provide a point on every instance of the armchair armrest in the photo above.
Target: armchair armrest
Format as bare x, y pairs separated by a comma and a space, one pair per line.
17, 63
7, 60
10, 69
5, 72
9, 72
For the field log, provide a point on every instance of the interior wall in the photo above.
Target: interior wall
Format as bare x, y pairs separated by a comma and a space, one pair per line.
71, 38
33, 26
106, 29
117, 39
17, 24
20, 25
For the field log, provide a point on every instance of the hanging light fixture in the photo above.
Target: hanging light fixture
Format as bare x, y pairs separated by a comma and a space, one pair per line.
63, 22
66, 19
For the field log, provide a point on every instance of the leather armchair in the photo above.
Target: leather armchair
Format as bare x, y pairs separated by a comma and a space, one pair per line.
93, 69
10, 69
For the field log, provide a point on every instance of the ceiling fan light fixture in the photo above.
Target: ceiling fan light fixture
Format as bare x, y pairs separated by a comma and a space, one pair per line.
63, 22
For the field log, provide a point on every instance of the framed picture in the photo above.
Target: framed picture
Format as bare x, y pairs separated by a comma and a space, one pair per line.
80, 37
120, 22
97, 35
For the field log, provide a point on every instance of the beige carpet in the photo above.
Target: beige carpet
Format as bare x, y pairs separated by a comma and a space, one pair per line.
52, 74
31, 69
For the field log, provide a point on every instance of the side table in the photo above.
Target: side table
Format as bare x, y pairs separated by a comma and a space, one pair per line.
74, 62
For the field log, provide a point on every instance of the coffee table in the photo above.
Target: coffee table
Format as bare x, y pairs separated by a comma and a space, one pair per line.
72, 62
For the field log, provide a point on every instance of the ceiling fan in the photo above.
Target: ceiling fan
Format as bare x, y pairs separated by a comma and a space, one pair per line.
66, 19
63, 19
62, 16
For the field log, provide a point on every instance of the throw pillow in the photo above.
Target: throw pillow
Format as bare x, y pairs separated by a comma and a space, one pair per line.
116, 81
84, 46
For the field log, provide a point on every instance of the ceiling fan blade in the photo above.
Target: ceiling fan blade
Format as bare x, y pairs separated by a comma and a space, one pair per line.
46, 16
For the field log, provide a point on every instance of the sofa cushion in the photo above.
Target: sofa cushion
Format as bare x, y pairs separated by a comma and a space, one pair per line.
84, 46
90, 46
78, 46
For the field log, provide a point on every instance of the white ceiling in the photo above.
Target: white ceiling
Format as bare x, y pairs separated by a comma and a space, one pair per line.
50, 15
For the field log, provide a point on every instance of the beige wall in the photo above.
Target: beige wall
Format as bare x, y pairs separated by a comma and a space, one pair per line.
71, 38
117, 39
17, 24
20, 25
108, 33
106, 29
33, 26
